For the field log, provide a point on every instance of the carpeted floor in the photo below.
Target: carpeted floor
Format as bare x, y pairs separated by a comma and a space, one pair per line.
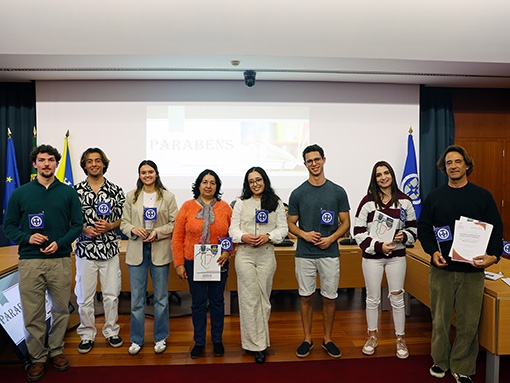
380, 370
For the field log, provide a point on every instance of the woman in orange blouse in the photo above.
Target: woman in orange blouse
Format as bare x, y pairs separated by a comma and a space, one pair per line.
203, 220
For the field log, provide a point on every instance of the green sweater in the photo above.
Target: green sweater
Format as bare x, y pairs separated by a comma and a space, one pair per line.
63, 220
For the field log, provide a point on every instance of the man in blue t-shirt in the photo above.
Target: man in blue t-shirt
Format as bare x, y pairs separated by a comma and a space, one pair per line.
318, 217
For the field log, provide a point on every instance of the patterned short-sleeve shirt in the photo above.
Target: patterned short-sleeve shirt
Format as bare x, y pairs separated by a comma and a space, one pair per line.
105, 245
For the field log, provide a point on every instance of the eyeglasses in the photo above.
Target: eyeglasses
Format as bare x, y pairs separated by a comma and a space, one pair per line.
255, 181
312, 161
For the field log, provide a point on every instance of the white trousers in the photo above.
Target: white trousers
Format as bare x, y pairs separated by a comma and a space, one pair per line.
395, 269
255, 268
85, 290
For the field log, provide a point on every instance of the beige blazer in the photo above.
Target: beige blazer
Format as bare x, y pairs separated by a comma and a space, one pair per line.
132, 216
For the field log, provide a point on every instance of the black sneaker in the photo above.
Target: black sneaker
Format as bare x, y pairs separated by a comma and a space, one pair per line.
332, 350
196, 351
85, 346
461, 378
304, 349
218, 349
115, 341
436, 371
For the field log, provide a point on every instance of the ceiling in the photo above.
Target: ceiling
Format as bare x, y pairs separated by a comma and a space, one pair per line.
438, 43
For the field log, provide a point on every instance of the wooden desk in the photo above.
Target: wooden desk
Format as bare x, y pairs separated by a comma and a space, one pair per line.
351, 274
8, 259
494, 329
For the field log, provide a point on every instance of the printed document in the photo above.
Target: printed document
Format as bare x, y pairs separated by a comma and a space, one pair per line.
470, 239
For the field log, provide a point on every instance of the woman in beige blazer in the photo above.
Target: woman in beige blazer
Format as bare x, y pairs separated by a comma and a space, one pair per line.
148, 222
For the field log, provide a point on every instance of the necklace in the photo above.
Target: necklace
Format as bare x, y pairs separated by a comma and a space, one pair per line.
150, 196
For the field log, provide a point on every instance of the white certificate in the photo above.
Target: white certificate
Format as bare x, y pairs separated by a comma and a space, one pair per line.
470, 239
205, 265
383, 227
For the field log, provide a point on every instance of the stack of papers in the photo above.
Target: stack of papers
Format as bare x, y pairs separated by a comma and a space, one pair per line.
470, 239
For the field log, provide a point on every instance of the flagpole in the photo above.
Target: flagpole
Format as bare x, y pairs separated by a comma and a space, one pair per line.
33, 171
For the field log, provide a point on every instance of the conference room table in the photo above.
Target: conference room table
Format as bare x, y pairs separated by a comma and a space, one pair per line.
351, 275
494, 329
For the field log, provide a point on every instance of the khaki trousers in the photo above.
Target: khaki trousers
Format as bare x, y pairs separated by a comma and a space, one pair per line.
36, 277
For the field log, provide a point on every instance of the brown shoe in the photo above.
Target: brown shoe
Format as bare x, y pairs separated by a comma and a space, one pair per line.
35, 372
60, 362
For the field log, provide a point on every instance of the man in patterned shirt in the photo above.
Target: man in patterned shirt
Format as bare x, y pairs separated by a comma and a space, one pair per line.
97, 249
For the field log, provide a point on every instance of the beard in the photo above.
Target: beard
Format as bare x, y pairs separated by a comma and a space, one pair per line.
49, 174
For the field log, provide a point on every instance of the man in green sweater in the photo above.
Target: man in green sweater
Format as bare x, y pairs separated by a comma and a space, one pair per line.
44, 217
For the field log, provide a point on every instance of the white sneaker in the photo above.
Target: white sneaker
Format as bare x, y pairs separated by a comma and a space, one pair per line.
370, 345
402, 351
134, 349
160, 347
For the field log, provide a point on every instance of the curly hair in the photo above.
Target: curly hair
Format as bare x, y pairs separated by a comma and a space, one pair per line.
44, 149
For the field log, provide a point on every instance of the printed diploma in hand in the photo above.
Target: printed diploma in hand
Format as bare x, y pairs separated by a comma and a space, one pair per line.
205, 266
470, 239
383, 227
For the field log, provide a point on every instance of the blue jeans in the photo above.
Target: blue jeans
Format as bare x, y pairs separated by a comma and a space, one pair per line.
138, 279
201, 292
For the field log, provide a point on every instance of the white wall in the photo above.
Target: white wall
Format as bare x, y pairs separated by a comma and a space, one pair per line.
356, 124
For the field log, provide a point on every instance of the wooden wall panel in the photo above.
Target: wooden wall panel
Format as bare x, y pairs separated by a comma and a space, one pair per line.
482, 125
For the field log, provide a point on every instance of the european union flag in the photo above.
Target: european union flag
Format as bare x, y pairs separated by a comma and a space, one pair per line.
410, 181
65, 170
11, 171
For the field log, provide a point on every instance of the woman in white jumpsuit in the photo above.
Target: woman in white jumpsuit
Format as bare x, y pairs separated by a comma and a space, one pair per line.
258, 222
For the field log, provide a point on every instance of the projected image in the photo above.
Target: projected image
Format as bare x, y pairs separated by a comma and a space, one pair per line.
184, 140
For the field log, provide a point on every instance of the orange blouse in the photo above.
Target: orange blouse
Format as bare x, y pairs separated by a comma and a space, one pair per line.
188, 228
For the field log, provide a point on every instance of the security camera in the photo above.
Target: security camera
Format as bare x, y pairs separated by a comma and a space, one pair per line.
249, 77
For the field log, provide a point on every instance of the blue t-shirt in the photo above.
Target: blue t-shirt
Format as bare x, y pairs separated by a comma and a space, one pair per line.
307, 202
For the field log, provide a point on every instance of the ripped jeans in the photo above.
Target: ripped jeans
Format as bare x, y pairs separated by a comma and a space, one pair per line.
395, 269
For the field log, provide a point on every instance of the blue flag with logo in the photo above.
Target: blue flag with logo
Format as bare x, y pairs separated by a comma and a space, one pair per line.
11, 172
261, 216
410, 181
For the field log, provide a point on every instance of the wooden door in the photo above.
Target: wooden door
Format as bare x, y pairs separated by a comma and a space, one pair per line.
490, 172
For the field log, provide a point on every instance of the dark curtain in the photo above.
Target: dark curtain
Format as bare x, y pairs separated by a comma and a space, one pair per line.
17, 112
437, 132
